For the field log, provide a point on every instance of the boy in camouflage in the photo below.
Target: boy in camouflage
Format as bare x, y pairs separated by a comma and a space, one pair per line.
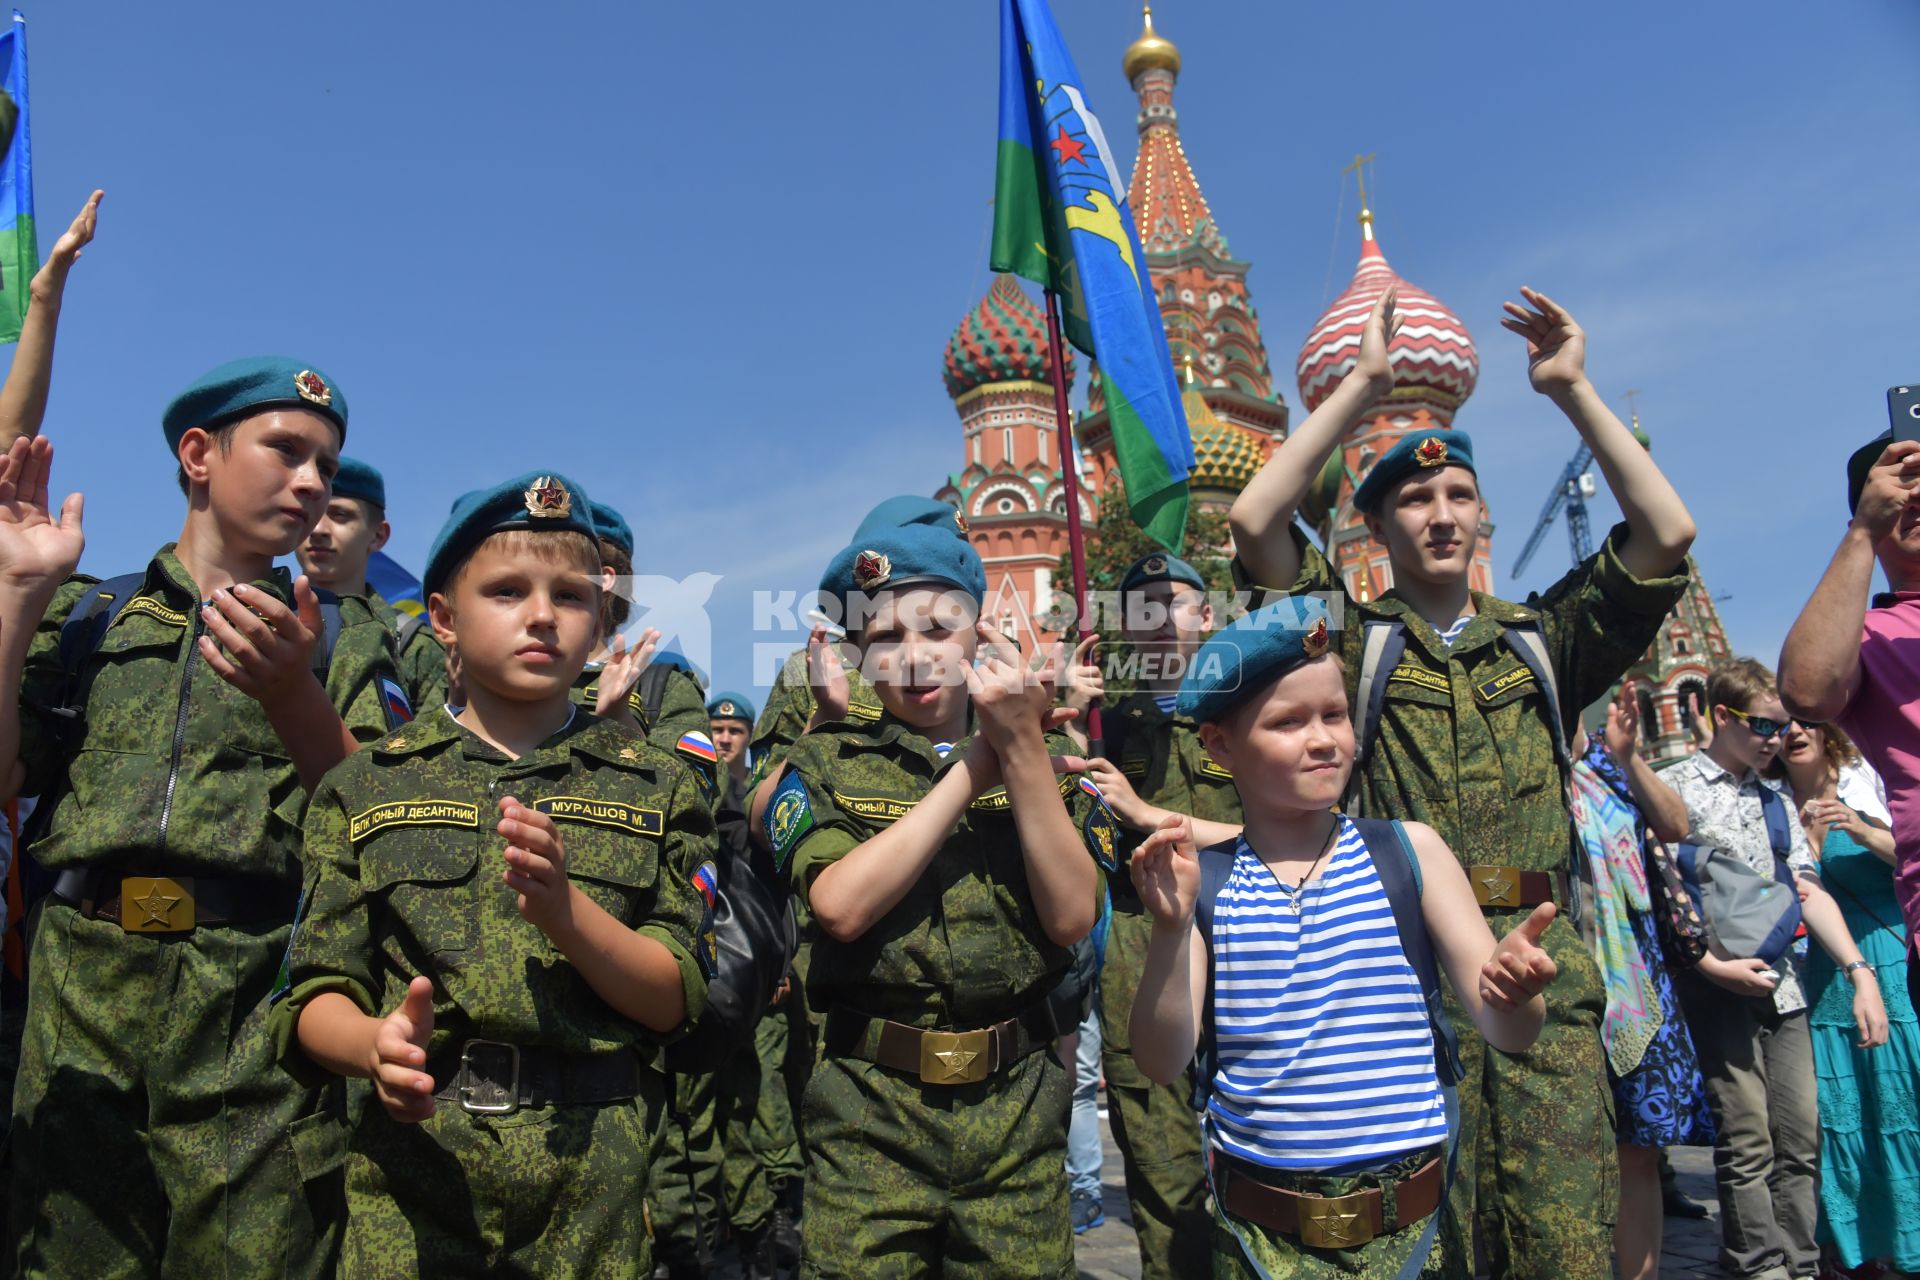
1327, 1113
1467, 734
943, 860
172, 734
545, 877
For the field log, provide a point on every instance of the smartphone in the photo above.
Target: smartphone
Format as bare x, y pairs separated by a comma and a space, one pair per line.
1903, 410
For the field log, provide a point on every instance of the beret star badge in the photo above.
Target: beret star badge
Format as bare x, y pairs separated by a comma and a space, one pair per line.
313, 388
1315, 642
548, 499
959, 522
1431, 452
725, 709
1155, 565
871, 569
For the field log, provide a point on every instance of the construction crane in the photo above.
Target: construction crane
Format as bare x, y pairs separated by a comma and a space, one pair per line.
1570, 492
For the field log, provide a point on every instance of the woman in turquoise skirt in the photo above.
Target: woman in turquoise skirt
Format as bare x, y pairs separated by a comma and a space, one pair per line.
1869, 1127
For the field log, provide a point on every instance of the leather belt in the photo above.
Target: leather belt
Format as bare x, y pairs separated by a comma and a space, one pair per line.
494, 1078
939, 1057
1328, 1222
176, 904
1511, 889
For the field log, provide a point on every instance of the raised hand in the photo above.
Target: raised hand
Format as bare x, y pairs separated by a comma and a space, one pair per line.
37, 552
622, 671
1166, 872
1082, 682
1623, 724
536, 867
1375, 363
827, 676
1519, 969
1010, 698
52, 276
258, 645
1556, 346
399, 1061
1118, 791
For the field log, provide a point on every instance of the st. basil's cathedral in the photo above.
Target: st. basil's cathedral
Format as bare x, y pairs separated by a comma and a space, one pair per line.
1011, 489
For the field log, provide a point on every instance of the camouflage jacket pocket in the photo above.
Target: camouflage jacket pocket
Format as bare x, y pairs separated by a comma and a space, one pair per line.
425, 873
618, 872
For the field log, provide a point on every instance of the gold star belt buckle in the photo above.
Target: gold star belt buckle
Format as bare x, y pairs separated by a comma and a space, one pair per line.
156, 904
1495, 886
1335, 1222
954, 1057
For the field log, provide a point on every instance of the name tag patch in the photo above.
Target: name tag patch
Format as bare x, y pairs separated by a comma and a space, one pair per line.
604, 813
154, 609
1488, 690
1413, 673
1208, 769
880, 808
413, 813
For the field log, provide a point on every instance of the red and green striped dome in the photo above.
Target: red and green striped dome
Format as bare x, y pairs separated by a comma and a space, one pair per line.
1004, 339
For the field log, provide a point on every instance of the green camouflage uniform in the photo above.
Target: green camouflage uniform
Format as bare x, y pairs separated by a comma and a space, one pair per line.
153, 1131
1464, 745
422, 660
406, 881
903, 1177
1154, 1125
1282, 1257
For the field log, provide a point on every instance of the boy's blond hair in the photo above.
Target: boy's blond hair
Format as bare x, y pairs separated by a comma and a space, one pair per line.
555, 546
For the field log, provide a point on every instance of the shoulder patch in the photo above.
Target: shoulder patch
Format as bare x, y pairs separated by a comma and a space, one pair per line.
789, 817
1414, 673
412, 813
1101, 829
1208, 769
394, 703
1520, 675
603, 813
154, 609
706, 882
699, 746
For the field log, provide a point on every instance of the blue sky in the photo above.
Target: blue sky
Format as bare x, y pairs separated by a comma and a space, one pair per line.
706, 258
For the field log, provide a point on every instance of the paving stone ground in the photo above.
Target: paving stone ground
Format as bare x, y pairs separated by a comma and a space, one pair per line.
1108, 1251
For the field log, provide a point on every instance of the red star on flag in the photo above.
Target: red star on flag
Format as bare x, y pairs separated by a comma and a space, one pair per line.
1066, 148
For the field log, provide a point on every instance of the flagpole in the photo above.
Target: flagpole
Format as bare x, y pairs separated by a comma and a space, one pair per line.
1076, 535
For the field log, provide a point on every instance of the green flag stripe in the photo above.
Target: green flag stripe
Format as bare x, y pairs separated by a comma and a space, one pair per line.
1020, 216
1157, 500
19, 259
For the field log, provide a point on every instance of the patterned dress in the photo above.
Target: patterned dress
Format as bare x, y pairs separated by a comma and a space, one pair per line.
1662, 1100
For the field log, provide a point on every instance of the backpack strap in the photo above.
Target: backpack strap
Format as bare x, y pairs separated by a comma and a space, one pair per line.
410, 627
1530, 646
1383, 641
651, 691
1779, 833
330, 623
1400, 877
1216, 868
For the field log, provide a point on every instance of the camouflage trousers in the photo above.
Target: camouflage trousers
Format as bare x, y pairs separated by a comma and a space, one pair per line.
547, 1191
1537, 1158
153, 1131
1154, 1125
755, 1117
1239, 1246
686, 1186
906, 1179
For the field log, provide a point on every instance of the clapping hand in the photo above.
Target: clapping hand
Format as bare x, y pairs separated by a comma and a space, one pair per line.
1623, 725
827, 677
398, 1068
1166, 872
1556, 345
536, 867
256, 643
1519, 969
622, 670
37, 552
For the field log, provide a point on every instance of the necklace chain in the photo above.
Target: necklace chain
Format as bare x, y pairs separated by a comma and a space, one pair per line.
1298, 889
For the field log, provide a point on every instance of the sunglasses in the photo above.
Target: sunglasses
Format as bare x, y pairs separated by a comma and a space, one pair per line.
1768, 727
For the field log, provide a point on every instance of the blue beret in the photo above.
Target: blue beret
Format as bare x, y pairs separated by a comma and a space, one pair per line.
1161, 567
1415, 452
911, 508
543, 500
729, 706
356, 479
249, 386
905, 556
1245, 657
613, 527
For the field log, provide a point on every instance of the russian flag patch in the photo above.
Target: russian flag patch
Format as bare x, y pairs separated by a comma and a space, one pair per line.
699, 746
706, 882
394, 702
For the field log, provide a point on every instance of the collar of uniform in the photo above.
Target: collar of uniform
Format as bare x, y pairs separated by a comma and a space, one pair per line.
1486, 609
168, 578
604, 740
1140, 706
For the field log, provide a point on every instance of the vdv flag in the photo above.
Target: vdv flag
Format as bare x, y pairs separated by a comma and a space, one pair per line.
1060, 219
395, 585
19, 251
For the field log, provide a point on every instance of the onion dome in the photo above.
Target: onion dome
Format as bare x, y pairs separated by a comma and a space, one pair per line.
1434, 361
1224, 456
1150, 51
1004, 339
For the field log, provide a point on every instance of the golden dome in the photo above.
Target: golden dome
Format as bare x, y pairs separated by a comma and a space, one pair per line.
1150, 51
1224, 457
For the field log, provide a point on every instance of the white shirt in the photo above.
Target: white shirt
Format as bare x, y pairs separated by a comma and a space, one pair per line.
1860, 788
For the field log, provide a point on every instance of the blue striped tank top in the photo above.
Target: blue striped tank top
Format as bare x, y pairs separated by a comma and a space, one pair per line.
1324, 1052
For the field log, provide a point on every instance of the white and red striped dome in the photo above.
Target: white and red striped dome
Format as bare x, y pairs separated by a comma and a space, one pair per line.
1434, 361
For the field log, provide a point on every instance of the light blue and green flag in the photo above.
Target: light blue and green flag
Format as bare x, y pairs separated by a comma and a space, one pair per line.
395, 585
19, 251
1060, 219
